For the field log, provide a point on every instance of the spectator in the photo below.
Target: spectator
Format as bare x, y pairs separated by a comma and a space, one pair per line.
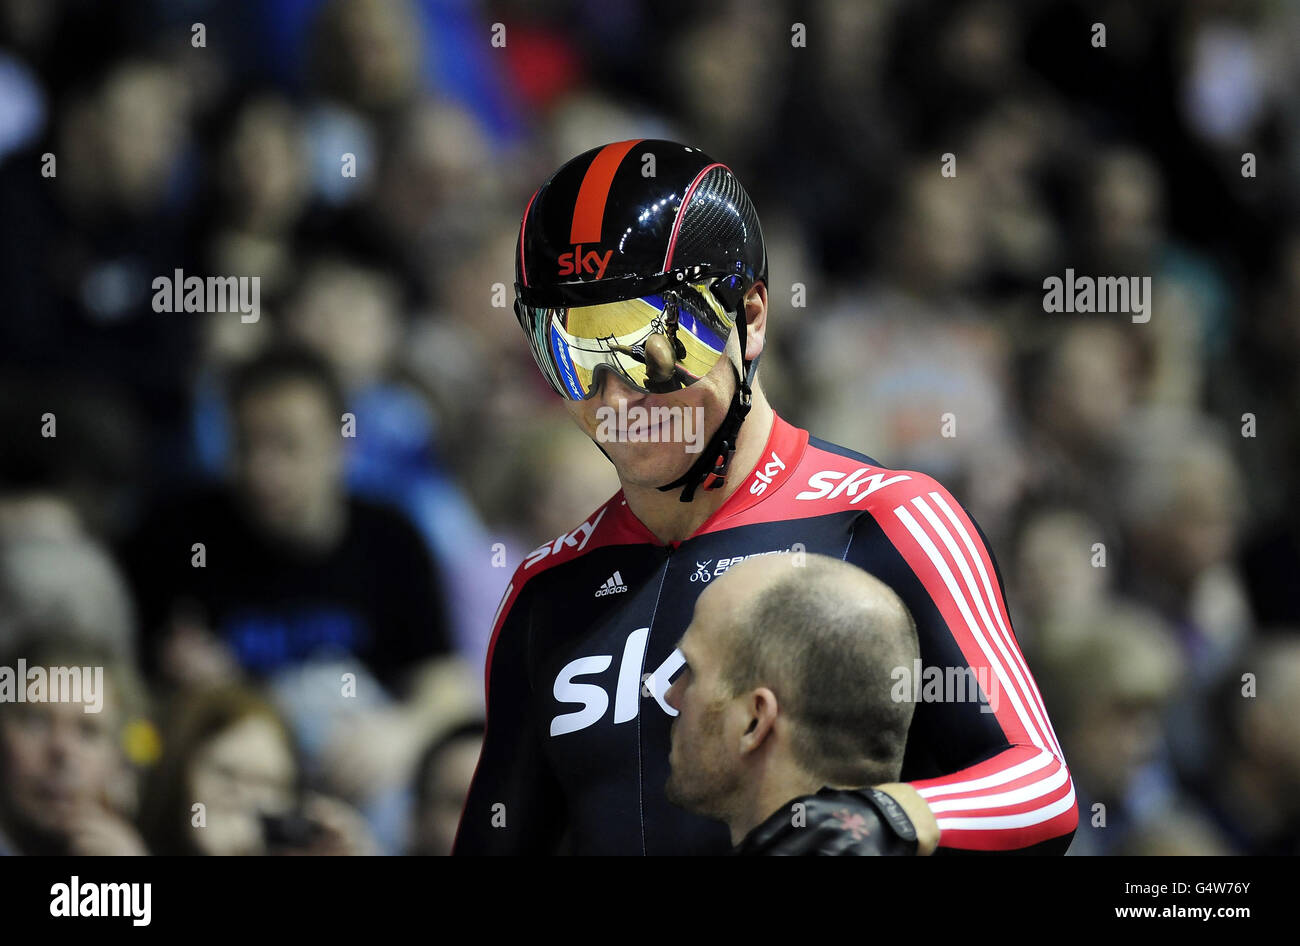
66, 786
1253, 793
229, 783
281, 570
71, 583
442, 780
1109, 678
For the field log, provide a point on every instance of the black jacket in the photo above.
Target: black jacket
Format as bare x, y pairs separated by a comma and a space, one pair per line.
834, 822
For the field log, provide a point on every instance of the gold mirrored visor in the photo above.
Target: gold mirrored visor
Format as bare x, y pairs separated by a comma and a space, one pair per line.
656, 344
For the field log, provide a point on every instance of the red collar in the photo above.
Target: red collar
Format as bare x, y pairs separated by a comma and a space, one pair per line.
781, 454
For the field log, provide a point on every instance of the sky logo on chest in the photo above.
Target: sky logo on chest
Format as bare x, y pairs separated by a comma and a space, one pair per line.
631, 686
267, 641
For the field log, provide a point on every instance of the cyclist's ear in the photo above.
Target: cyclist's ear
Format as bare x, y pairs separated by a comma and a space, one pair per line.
755, 320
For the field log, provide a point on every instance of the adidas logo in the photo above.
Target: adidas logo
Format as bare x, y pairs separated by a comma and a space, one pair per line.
613, 586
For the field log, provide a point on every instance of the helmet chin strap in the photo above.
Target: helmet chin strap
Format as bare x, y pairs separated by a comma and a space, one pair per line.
714, 461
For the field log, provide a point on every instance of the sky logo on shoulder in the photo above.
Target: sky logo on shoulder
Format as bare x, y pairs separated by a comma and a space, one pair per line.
857, 484
577, 538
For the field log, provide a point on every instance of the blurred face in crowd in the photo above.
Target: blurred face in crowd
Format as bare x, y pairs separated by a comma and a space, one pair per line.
56, 762
263, 169
433, 188
348, 316
446, 786
663, 457
141, 132
938, 244
705, 737
1125, 205
1092, 387
1116, 738
289, 458
243, 773
1271, 731
726, 94
1124, 680
1202, 527
1054, 580
372, 51
1191, 524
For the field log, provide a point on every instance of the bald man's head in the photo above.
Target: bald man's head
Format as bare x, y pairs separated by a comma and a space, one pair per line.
825, 637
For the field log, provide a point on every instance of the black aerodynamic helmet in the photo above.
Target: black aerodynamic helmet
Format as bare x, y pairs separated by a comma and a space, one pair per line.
634, 258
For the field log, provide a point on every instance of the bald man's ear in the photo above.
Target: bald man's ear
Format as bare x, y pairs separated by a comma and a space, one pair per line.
762, 710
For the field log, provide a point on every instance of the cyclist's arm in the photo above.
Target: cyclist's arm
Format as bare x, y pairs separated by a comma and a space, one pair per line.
1008, 788
514, 804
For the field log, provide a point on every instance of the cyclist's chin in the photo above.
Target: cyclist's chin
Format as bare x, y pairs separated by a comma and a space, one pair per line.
650, 464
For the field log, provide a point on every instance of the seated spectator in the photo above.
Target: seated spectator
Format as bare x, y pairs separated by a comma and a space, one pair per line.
1253, 794
280, 570
66, 786
69, 582
1110, 678
787, 708
442, 781
1183, 503
349, 311
229, 783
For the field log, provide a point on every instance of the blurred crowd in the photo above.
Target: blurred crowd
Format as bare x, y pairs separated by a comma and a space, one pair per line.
293, 612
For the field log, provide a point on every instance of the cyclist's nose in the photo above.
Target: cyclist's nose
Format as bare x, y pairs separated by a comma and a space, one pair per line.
612, 390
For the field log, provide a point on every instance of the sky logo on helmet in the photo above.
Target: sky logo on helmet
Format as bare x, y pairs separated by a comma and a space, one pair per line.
575, 262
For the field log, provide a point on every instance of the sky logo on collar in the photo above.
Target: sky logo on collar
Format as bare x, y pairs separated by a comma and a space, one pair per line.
763, 478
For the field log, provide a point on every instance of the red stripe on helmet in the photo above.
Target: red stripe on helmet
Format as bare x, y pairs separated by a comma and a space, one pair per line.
681, 211
589, 210
522, 224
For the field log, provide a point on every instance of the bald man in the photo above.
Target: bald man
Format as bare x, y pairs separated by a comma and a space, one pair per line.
786, 710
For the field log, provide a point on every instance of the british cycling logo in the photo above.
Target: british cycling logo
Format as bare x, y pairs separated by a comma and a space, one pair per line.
703, 573
857, 484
